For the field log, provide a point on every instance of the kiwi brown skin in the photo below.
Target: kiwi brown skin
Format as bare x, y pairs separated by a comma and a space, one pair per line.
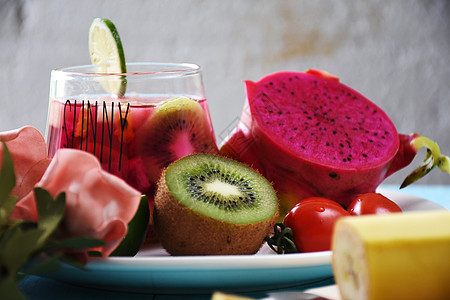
183, 231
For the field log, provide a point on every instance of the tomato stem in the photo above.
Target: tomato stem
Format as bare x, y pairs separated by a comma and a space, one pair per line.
282, 240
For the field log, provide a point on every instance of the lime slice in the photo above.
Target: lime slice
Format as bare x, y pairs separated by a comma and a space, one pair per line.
106, 52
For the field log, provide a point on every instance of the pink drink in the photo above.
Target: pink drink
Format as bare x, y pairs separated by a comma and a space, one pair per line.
111, 130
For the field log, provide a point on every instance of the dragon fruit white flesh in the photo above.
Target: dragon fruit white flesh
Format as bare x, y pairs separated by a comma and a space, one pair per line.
313, 136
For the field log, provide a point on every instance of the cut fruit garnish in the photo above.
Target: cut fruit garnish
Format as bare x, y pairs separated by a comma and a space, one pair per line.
106, 52
178, 127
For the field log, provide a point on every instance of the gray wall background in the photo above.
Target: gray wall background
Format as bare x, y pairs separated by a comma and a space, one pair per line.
397, 53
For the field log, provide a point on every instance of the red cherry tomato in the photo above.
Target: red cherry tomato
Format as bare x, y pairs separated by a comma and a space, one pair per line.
372, 203
319, 199
312, 221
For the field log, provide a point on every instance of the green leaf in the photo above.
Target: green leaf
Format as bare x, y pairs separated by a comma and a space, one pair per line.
137, 231
7, 205
95, 254
21, 241
74, 260
7, 183
17, 245
9, 289
42, 266
75, 243
50, 211
9, 234
50, 264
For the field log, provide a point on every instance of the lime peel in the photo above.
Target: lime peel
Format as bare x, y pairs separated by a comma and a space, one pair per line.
107, 55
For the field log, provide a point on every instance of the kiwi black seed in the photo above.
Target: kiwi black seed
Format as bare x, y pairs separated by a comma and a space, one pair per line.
207, 204
177, 127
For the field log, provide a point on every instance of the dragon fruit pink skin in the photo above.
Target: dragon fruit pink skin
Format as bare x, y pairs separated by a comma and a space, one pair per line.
313, 136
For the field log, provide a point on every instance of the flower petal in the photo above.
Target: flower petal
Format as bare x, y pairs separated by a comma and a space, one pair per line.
98, 204
29, 154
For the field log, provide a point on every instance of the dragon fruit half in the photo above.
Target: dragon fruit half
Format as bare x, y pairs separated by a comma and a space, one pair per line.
313, 136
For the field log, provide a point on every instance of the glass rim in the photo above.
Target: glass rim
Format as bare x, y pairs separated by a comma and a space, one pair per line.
159, 69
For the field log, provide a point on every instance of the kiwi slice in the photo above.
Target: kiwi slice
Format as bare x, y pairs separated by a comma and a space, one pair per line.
207, 204
178, 127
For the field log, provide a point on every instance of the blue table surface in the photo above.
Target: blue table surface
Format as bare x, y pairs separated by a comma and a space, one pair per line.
36, 288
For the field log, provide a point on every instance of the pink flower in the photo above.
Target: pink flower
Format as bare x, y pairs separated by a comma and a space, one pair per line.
98, 204
29, 154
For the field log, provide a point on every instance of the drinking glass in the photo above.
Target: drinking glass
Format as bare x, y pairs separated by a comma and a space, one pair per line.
115, 127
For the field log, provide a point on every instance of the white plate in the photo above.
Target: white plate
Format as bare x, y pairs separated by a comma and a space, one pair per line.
153, 271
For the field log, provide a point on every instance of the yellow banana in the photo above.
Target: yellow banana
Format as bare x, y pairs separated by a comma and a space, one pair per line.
395, 256
223, 296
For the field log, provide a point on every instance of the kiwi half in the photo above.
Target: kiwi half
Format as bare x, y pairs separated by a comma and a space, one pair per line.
178, 127
206, 204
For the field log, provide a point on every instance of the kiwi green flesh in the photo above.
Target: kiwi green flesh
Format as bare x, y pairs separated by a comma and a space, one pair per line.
221, 189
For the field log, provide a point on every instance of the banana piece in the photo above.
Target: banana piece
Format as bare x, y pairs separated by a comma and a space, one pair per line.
394, 256
223, 296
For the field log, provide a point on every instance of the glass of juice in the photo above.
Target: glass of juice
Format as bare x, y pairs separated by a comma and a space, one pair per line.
157, 114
